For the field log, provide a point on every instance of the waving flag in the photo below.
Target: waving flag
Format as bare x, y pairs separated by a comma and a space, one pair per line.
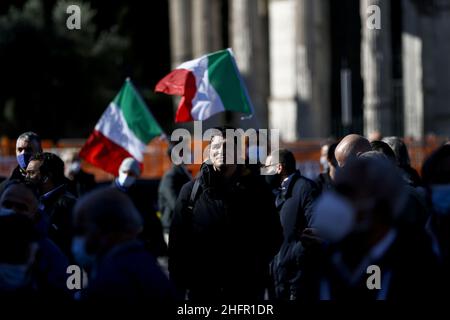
208, 85
124, 130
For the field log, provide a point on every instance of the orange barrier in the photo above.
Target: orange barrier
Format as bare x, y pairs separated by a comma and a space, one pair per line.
156, 160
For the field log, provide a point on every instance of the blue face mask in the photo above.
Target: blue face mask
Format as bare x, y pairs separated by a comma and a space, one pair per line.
440, 196
83, 258
23, 159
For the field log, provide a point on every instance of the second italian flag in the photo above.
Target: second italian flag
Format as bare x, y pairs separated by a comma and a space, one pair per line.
208, 85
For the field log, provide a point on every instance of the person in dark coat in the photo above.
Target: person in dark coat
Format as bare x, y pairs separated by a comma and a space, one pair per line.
79, 182
50, 264
225, 230
325, 179
121, 271
46, 172
294, 202
366, 256
28, 144
152, 233
168, 190
409, 174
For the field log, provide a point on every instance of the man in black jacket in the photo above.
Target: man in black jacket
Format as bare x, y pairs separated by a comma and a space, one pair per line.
46, 172
28, 144
295, 197
225, 230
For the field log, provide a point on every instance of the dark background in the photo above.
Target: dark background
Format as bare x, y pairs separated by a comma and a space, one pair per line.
57, 82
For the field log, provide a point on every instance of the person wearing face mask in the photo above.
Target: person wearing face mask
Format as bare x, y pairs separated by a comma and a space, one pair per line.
79, 182
357, 223
46, 172
50, 265
328, 161
27, 145
121, 271
152, 233
294, 201
18, 247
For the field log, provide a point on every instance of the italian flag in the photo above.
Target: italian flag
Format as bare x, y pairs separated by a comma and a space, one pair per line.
208, 85
124, 130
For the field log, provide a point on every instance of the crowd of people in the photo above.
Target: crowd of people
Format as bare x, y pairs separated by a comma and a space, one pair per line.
235, 233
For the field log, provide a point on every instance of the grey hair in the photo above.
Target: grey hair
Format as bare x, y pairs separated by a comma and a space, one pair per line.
400, 150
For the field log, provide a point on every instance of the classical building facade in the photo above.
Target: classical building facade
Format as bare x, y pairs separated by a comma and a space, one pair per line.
316, 68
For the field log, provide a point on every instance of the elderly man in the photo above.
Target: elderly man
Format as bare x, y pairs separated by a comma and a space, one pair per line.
152, 233
369, 257
28, 144
350, 147
120, 269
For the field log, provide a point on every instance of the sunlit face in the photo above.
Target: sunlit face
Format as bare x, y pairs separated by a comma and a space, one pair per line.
33, 171
221, 152
271, 167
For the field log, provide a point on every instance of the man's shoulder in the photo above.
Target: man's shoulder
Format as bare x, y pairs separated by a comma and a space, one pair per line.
305, 184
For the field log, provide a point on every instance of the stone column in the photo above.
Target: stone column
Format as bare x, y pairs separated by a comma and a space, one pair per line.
376, 65
180, 31
249, 41
206, 27
412, 71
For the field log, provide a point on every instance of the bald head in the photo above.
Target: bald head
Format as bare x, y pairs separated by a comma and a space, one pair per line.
351, 147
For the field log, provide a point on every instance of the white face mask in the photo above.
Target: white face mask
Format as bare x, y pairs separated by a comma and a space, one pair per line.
333, 217
75, 167
324, 163
126, 180
80, 255
13, 277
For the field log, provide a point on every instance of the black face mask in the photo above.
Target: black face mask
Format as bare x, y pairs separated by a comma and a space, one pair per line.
273, 180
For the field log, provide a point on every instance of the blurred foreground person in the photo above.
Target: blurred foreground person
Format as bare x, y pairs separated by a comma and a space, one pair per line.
358, 224
225, 230
436, 176
294, 203
121, 271
152, 233
28, 144
79, 182
46, 172
18, 247
169, 189
50, 264
350, 147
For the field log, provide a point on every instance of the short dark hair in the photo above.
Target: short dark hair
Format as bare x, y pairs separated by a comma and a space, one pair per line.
400, 150
383, 148
330, 155
52, 166
287, 159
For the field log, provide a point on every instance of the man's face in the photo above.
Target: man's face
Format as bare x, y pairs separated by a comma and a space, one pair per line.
220, 152
26, 146
271, 167
20, 199
33, 171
